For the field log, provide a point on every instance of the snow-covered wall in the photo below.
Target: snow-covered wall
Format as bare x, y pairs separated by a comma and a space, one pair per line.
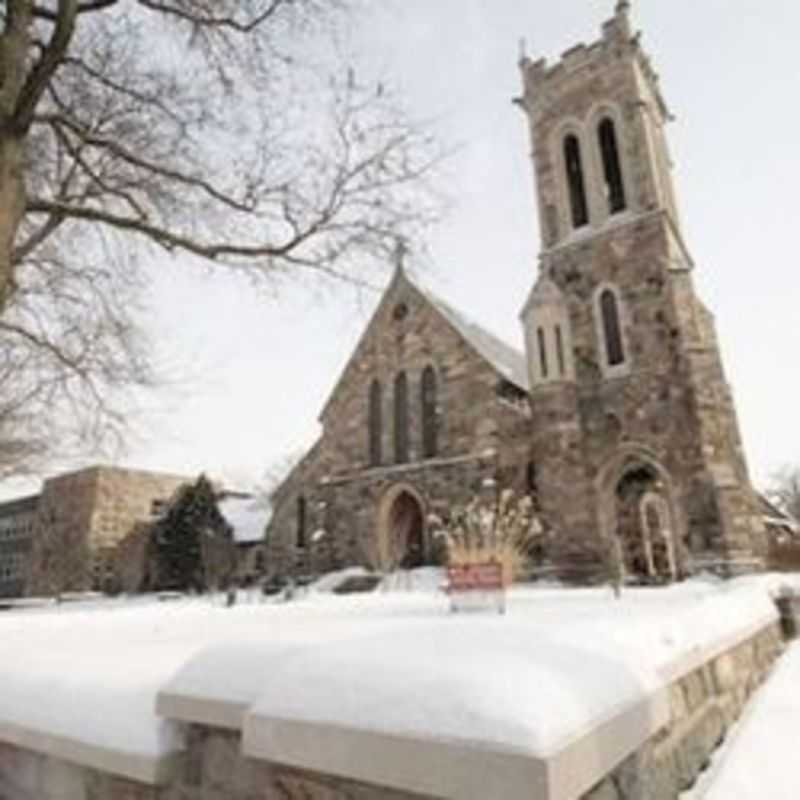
571, 695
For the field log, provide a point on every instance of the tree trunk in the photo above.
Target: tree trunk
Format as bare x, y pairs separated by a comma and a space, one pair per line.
12, 208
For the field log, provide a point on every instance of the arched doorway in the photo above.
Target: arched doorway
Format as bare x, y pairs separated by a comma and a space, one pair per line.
401, 529
644, 525
406, 531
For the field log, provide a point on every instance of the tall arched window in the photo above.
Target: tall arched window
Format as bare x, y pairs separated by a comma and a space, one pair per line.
542, 351
401, 418
428, 391
575, 181
612, 169
300, 537
612, 330
532, 479
560, 351
375, 423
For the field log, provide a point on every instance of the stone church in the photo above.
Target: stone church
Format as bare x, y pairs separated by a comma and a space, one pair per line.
617, 419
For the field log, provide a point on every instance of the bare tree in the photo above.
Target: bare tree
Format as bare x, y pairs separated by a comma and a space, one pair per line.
785, 491
71, 356
200, 127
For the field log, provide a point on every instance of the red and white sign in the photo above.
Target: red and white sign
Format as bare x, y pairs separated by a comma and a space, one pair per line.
482, 577
474, 587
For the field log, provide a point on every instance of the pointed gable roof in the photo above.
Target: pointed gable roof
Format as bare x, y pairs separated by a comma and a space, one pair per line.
508, 362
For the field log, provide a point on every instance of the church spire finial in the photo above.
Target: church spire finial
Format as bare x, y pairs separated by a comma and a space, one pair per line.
400, 253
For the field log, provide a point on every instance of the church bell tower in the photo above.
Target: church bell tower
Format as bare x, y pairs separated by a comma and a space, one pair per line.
635, 437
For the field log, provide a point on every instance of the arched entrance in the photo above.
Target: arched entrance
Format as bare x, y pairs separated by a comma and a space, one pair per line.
644, 524
637, 513
401, 529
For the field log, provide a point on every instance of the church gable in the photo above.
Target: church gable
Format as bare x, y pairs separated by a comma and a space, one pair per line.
421, 359
407, 309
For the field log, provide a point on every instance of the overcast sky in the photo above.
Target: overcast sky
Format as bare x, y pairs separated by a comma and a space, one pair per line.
260, 365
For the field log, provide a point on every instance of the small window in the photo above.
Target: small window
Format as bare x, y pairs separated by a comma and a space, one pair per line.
542, 351
375, 423
400, 312
300, 539
560, 351
401, 418
428, 398
532, 479
612, 169
612, 331
575, 181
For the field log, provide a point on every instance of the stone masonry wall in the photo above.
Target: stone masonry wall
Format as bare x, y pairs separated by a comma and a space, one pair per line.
123, 497
705, 703
81, 518
343, 492
60, 557
667, 400
211, 768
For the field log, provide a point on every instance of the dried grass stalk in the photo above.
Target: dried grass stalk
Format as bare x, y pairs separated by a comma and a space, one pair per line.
502, 532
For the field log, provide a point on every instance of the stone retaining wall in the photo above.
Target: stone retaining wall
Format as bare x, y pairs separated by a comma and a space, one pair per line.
704, 703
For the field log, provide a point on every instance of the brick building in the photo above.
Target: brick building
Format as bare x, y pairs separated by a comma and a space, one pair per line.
64, 538
618, 417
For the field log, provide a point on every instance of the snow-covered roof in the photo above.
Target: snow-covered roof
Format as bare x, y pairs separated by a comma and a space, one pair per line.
776, 516
507, 360
248, 516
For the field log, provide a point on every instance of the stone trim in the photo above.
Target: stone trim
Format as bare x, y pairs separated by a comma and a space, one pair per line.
209, 711
465, 770
597, 113
573, 126
400, 469
151, 770
684, 666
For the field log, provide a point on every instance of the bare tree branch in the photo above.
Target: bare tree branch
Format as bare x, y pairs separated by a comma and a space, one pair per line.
49, 61
228, 131
85, 7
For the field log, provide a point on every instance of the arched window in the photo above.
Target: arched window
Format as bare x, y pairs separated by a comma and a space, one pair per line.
532, 479
300, 538
575, 181
375, 423
401, 418
562, 368
428, 391
612, 170
612, 330
542, 351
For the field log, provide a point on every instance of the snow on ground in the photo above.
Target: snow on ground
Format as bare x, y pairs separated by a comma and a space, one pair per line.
332, 580
758, 761
557, 661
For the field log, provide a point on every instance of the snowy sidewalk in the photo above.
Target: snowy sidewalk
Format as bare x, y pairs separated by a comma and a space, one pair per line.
760, 761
